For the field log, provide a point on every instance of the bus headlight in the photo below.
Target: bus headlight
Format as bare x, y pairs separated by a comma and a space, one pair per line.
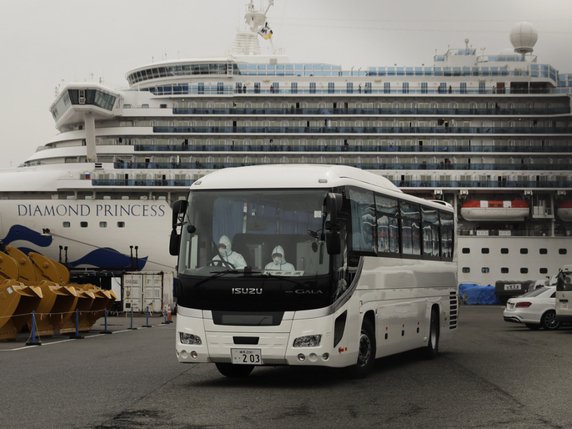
190, 339
308, 341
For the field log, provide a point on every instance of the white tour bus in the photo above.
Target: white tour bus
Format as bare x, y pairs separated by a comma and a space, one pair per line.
564, 295
310, 265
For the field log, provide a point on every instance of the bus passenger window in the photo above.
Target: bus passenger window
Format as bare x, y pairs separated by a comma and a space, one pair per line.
410, 226
387, 225
363, 221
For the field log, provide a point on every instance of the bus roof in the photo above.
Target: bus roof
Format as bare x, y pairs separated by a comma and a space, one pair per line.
311, 176
290, 176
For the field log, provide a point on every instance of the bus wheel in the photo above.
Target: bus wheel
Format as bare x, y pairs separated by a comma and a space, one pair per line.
366, 355
432, 348
234, 371
549, 321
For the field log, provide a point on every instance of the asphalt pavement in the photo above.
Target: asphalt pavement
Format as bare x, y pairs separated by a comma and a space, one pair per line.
492, 374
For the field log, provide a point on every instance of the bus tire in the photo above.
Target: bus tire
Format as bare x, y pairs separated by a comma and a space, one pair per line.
366, 353
432, 348
234, 371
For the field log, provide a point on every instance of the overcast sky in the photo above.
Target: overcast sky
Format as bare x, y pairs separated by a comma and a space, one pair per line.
46, 42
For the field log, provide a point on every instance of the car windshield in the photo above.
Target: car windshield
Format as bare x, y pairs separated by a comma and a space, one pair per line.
536, 292
259, 232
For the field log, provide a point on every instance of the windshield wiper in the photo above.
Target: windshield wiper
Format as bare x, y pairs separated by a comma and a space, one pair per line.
218, 274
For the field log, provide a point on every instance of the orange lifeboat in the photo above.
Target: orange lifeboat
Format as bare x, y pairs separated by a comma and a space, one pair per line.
495, 210
564, 210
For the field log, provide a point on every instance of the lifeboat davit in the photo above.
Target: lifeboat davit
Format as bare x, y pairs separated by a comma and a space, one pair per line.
495, 210
564, 210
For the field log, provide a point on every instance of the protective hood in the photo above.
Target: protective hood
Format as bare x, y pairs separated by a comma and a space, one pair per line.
278, 260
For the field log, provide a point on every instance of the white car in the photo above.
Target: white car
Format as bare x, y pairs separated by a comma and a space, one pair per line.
536, 309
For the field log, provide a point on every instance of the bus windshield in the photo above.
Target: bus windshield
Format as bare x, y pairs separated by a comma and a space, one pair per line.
268, 232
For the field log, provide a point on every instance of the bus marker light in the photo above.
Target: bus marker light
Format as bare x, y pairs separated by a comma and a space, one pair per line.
342, 349
194, 354
184, 354
325, 356
301, 357
313, 357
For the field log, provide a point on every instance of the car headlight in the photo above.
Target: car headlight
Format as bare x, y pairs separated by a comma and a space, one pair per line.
308, 341
190, 339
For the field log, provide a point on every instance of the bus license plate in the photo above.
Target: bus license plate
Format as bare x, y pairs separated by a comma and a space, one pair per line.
512, 287
246, 356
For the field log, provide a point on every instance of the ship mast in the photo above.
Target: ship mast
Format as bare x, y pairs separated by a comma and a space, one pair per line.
247, 42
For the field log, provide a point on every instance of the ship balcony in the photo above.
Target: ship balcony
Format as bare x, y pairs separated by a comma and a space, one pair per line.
515, 111
424, 148
462, 166
413, 130
143, 182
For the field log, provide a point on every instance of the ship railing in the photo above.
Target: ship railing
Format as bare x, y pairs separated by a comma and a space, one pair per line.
443, 165
424, 148
363, 130
373, 111
142, 182
226, 91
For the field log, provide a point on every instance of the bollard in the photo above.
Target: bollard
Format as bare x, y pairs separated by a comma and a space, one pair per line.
131, 321
34, 340
76, 335
146, 325
105, 330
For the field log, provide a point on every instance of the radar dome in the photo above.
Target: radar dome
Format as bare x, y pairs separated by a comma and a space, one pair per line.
523, 37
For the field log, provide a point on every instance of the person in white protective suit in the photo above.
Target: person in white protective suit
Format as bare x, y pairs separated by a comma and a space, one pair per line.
279, 261
226, 254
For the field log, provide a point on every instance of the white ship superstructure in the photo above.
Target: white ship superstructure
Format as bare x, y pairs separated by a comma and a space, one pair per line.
489, 134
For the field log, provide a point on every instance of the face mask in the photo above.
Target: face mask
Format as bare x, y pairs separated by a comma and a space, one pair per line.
277, 260
222, 251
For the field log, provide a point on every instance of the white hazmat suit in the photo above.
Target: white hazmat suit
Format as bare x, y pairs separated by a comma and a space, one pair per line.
225, 253
279, 261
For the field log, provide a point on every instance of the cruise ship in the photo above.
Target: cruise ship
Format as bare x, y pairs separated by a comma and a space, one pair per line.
489, 134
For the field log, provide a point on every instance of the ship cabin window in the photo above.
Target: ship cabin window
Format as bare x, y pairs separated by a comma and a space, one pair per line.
466, 250
83, 224
504, 270
485, 270
424, 88
331, 87
294, 87
405, 88
466, 270
523, 270
257, 87
386, 87
543, 251
523, 251
103, 224
120, 224
463, 87
66, 224
504, 251
350, 87
368, 88
485, 251
543, 271
312, 87
562, 251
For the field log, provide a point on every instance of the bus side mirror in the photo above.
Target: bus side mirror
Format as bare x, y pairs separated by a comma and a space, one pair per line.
333, 205
179, 210
333, 241
174, 243
332, 208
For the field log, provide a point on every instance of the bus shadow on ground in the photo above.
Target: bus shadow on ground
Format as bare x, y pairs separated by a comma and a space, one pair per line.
300, 377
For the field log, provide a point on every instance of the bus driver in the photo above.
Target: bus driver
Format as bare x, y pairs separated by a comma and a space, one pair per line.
225, 254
